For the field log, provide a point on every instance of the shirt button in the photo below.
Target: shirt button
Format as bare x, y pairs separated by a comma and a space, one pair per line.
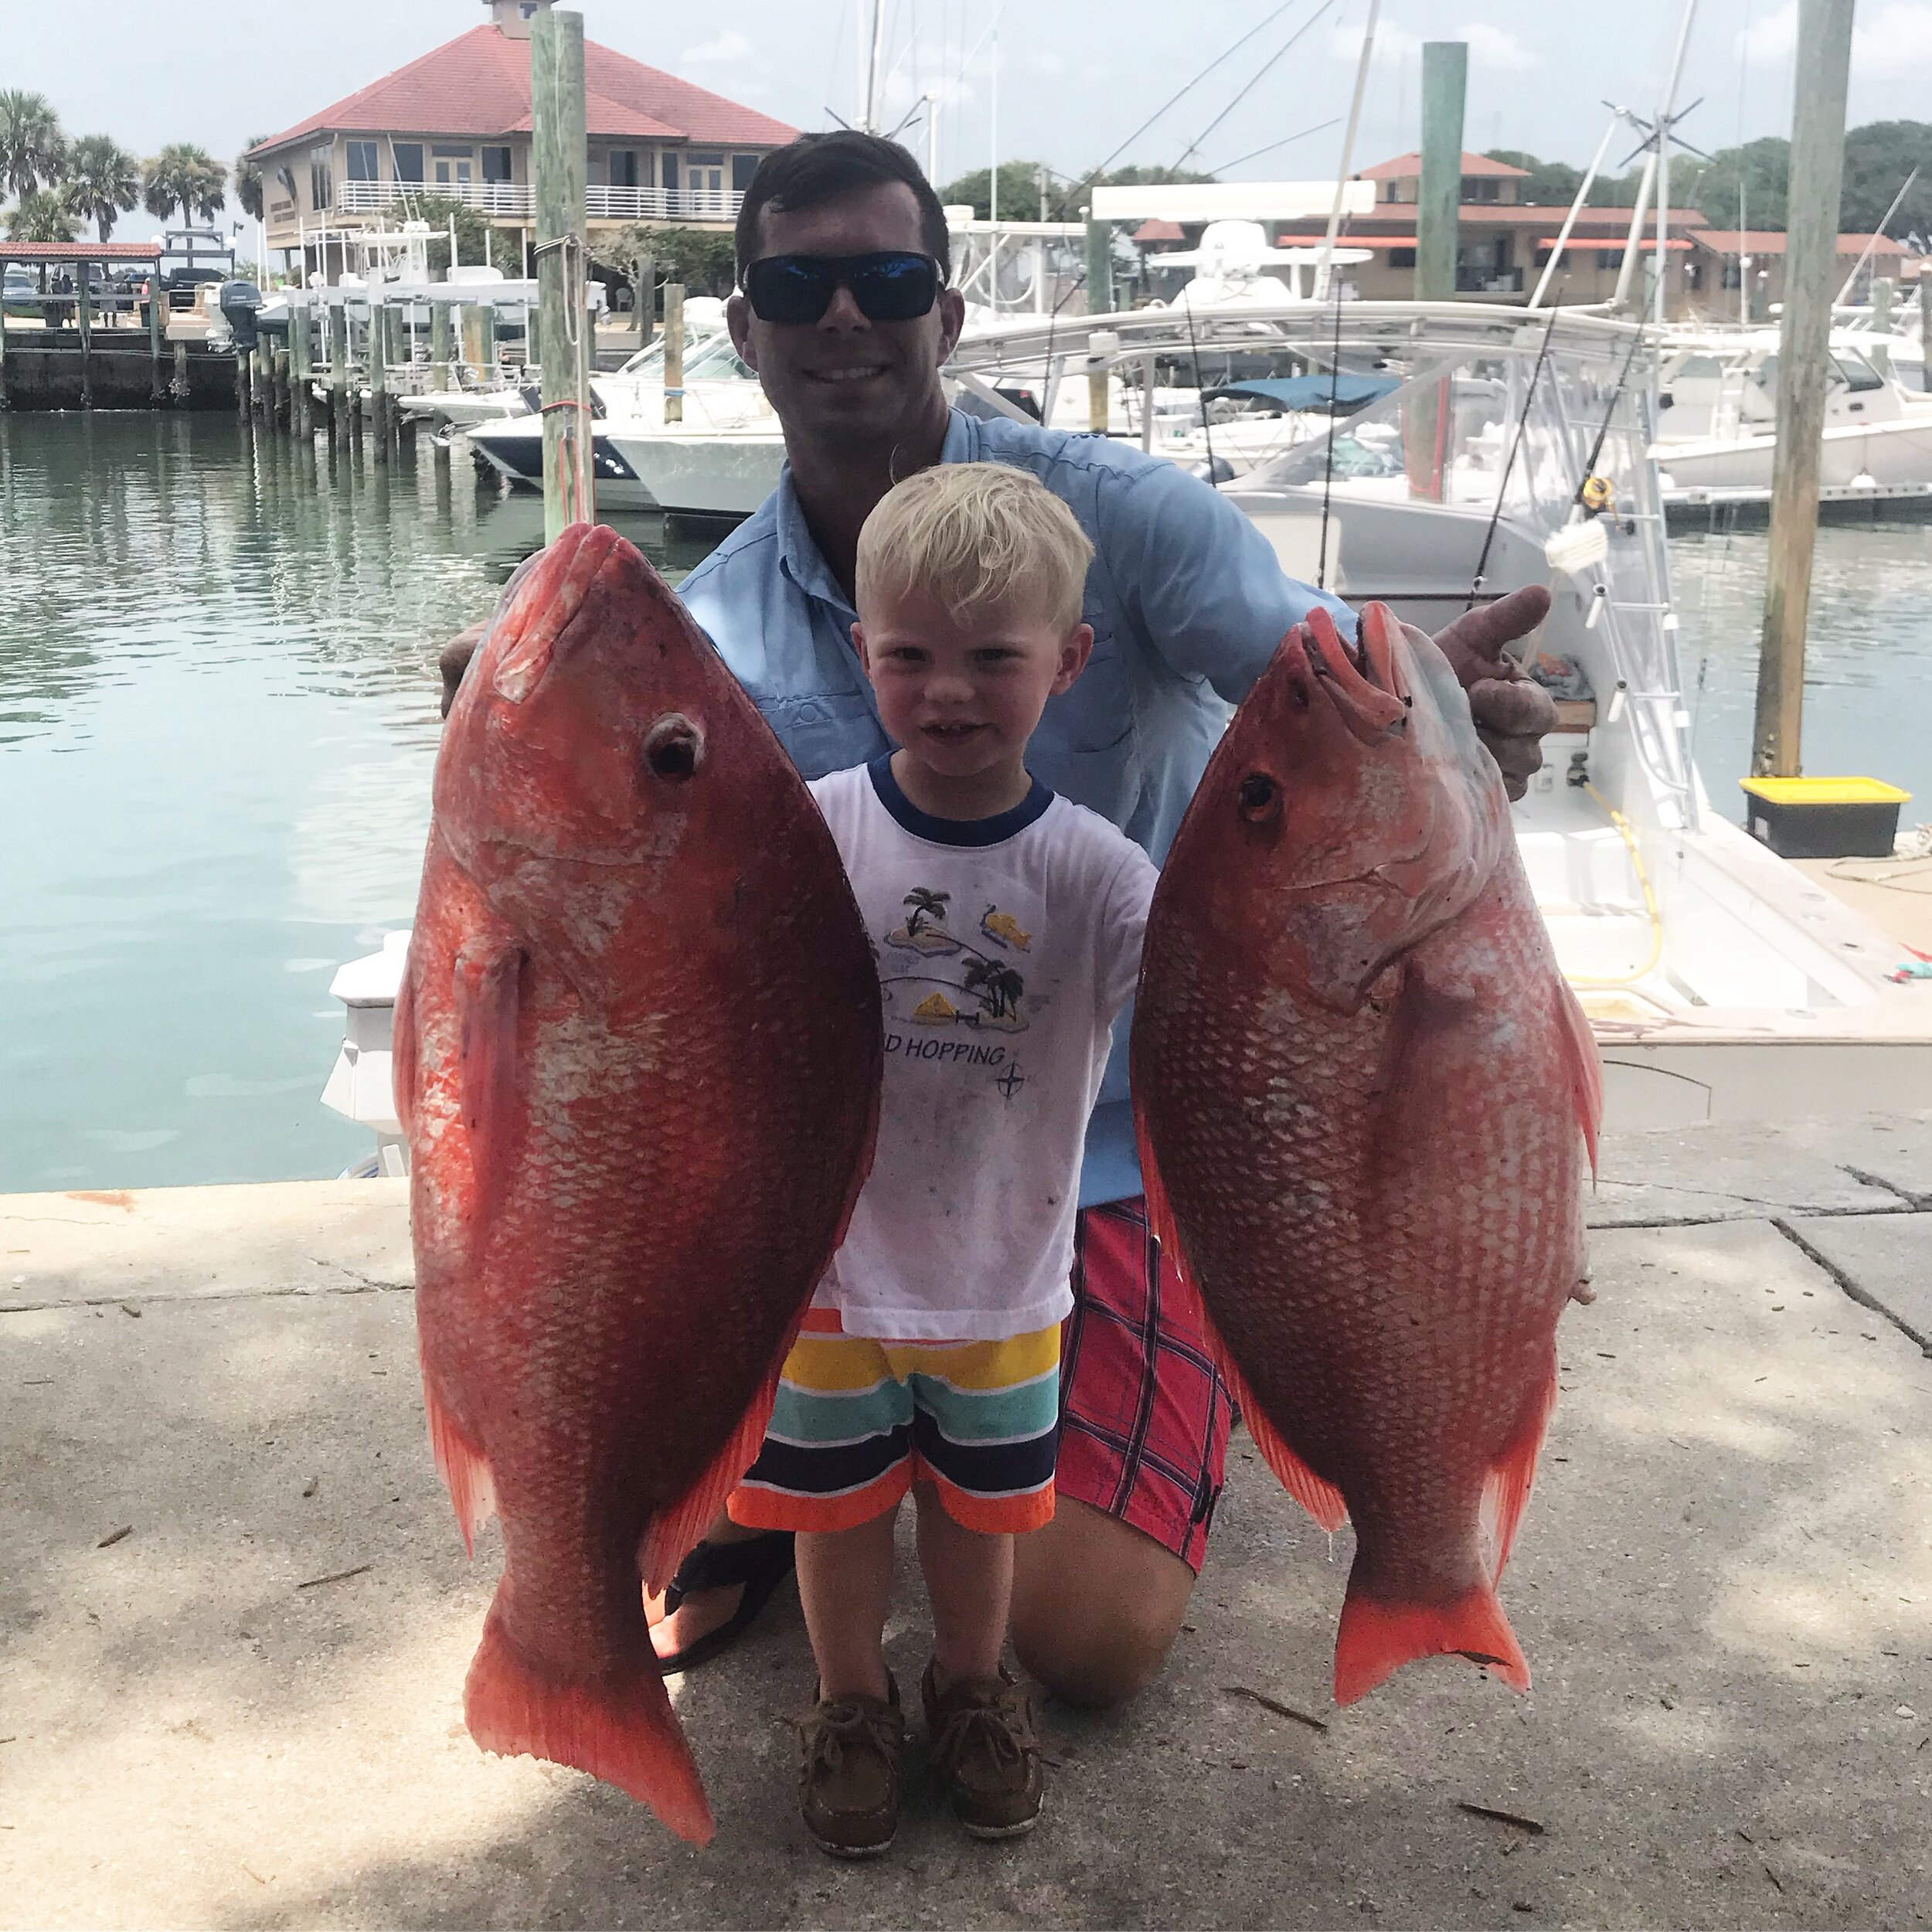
810, 713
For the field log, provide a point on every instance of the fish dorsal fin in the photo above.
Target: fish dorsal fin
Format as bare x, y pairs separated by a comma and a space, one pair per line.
465, 1469
673, 1533
1320, 1499
1586, 1068
1505, 1493
488, 997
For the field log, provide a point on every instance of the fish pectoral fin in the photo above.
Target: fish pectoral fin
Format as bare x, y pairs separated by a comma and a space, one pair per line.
1320, 1499
488, 997
1585, 1069
624, 1732
402, 1046
465, 1470
672, 1534
1378, 1636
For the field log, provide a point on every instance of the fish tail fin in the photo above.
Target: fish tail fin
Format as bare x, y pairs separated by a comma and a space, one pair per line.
1506, 1493
464, 1468
673, 1533
1320, 1499
1377, 1637
626, 1734
1586, 1067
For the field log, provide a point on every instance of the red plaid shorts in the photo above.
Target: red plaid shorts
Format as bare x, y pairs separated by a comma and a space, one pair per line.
1144, 1414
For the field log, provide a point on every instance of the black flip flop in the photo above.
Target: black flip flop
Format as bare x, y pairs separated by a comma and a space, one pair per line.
760, 1563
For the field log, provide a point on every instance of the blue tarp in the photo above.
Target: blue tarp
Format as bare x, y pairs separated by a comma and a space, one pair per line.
1313, 392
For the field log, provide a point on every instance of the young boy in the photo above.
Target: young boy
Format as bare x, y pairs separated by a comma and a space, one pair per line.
1007, 925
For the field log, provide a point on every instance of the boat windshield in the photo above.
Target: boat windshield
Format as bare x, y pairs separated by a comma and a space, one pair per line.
717, 361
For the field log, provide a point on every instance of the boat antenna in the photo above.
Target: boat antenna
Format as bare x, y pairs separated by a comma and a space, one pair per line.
1328, 454
1194, 350
1509, 462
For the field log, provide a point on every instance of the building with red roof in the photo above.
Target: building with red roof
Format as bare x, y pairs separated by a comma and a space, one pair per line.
455, 122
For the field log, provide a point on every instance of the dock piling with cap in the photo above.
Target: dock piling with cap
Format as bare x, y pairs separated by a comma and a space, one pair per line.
674, 351
559, 157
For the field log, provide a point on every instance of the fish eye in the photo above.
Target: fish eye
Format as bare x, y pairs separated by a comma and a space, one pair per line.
1260, 797
674, 747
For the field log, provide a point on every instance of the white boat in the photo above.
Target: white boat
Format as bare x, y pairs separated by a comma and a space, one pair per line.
1718, 435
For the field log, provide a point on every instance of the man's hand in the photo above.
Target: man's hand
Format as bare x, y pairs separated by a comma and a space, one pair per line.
1512, 712
455, 659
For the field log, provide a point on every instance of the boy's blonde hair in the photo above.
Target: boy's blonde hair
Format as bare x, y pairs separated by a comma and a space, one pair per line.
973, 534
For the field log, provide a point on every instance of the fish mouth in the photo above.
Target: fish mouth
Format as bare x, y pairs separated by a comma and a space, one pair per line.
547, 602
1370, 693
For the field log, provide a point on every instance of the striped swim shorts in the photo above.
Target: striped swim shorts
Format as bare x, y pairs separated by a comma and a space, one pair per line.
858, 1421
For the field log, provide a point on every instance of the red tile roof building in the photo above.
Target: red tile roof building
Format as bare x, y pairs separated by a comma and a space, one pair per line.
457, 122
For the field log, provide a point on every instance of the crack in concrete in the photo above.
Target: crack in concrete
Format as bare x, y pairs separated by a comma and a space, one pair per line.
1848, 1283
357, 1284
1756, 1200
1891, 1187
1726, 1220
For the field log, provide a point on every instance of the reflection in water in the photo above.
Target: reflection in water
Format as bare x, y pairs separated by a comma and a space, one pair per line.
217, 722
1868, 684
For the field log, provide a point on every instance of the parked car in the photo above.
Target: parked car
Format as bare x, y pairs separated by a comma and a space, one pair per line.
22, 293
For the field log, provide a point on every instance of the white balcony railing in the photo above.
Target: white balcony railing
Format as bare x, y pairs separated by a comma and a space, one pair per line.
512, 201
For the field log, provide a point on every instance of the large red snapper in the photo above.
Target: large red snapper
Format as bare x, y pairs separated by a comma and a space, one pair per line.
1367, 1091
637, 1054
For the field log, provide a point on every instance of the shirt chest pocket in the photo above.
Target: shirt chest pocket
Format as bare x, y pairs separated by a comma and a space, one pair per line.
825, 731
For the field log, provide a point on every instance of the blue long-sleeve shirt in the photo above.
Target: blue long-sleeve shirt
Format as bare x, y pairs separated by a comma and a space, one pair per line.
1188, 602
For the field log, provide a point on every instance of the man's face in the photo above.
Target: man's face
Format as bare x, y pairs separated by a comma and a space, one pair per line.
843, 382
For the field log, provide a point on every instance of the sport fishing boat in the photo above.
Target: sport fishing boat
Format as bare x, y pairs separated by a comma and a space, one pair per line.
1514, 448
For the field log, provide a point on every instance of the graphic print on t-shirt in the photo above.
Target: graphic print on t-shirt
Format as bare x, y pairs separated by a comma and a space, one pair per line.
973, 986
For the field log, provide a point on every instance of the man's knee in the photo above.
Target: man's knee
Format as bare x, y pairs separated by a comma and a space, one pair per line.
1097, 1606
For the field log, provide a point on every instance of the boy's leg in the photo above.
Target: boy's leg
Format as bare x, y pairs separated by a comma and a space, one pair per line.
846, 1584
969, 1577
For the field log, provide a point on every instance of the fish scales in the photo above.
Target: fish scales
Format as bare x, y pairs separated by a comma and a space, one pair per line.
1361, 1080
638, 1055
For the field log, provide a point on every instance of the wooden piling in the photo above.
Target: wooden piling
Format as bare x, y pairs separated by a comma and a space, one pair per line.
302, 399
3, 359
1925, 330
84, 316
379, 379
1445, 86
1100, 267
486, 343
558, 159
279, 388
1883, 288
244, 389
179, 388
439, 334
674, 351
1811, 271
156, 329
338, 313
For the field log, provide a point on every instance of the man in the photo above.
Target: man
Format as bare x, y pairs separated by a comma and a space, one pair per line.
843, 311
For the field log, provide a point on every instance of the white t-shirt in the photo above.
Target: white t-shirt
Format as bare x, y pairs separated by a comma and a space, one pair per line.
1006, 947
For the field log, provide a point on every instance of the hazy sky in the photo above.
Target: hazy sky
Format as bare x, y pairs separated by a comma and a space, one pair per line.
1075, 77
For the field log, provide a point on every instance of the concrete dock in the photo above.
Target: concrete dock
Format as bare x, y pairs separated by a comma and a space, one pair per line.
236, 1615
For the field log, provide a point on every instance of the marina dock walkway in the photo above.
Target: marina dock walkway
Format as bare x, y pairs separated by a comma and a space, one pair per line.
236, 1615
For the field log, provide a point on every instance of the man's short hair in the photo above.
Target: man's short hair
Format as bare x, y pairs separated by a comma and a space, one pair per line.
974, 535
818, 168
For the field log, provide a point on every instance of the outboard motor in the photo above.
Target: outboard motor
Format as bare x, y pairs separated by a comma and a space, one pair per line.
239, 302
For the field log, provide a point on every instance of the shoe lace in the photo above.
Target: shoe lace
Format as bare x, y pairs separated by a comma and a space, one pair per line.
997, 1731
835, 1729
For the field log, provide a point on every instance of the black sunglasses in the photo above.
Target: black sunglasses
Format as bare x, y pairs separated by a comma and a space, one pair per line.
892, 285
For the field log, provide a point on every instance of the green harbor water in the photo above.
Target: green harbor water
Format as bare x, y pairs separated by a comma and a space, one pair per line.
218, 719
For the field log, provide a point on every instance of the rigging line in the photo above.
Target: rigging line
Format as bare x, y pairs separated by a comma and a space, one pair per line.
1509, 463
1172, 100
1260, 74
1255, 154
1328, 455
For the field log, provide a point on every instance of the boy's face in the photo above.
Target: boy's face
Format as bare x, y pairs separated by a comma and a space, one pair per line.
963, 690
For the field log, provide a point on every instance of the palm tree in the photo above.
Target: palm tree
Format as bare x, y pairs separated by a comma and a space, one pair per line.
33, 148
104, 180
998, 987
186, 178
921, 904
44, 215
248, 180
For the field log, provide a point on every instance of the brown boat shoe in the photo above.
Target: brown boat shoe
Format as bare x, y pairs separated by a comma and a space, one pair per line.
986, 1749
849, 1750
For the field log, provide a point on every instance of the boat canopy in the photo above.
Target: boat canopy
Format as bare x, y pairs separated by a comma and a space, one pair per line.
1312, 391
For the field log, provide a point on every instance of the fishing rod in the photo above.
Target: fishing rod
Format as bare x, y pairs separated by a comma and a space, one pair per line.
1509, 463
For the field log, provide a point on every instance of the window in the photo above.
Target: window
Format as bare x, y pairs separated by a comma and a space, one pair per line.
742, 168
668, 163
1733, 275
1487, 188
1402, 258
704, 174
496, 163
408, 157
454, 167
322, 184
1610, 258
624, 168
361, 162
